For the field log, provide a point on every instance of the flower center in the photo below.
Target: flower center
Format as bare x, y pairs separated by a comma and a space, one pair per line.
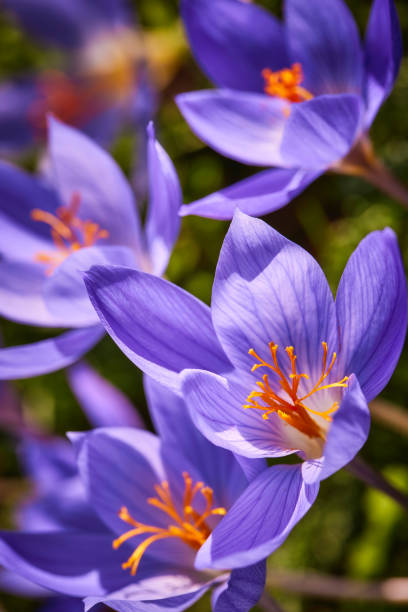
68, 231
286, 84
292, 410
189, 526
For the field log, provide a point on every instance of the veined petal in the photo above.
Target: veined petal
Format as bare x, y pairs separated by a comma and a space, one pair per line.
371, 307
160, 327
247, 127
321, 131
383, 53
281, 495
256, 196
243, 590
234, 41
49, 355
165, 199
323, 37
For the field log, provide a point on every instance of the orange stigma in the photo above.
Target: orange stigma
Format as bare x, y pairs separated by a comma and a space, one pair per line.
190, 526
69, 233
292, 411
286, 84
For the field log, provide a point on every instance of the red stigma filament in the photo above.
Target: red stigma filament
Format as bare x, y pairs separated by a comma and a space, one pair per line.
286, 84
69, 233
190, 526
293, 410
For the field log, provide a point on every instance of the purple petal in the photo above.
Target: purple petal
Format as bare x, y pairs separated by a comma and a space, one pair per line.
47, 355
65, 293
234, 41
372, 311
347, 434
268, 289
244, 126
383, 53
78, 164
281, 495
256, 196
48, 461
16, 129
103, 404
160, 327
64, 604
321, 131
165, 199
10, 582
323, 37
244, 589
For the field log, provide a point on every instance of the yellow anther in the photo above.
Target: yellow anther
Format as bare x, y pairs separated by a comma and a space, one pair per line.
286, 84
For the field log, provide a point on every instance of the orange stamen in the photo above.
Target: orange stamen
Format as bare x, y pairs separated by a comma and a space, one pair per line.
69, 233
286, 84
190, 527
292, 411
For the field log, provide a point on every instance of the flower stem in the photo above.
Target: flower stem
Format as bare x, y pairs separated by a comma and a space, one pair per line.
269, 604
362, 470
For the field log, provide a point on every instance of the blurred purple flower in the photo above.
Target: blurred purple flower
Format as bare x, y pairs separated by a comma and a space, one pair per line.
134, 477
103, 85
300, 96
53, 230
275, 367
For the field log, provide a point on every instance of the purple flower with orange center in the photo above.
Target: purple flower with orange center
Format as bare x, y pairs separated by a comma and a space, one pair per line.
84, 212
275, 367
300, 96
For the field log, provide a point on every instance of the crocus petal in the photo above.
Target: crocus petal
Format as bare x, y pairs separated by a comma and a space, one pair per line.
10, 582
47, 355
47, 461
256, 196
321, 131
244, 126
244, 589
103, 404
268, 289
347, 434
234, 41
372, 311
383, 53
65, 293
73, 563
175, 333
281, 495
323, 37
64, 604
165, 199
16, 100
78, 164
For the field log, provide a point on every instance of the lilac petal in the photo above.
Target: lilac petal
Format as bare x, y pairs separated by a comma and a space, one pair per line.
321, 131
16, 100
244, 589
281, 495
372, 311
347, 434
47, 355
65, 293
160, 327
234, 41
383, 53
165, 199
73, 563
78, 164
247, 127
217, 408
268, 289
10, 582
256, 196
323, 37
47, 461
65, 604
103, 404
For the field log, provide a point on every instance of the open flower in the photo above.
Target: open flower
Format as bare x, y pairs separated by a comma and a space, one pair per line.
51, 232
100, 85
277, 367
154, 501
299, 96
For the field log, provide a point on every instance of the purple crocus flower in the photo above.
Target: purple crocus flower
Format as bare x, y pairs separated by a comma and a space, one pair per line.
85, 213
172, 491
102, 85
276, 366
300, 96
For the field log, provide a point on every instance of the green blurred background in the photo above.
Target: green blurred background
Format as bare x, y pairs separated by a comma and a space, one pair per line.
351, 531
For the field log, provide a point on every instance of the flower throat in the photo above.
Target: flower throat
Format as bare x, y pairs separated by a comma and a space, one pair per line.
286, 84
